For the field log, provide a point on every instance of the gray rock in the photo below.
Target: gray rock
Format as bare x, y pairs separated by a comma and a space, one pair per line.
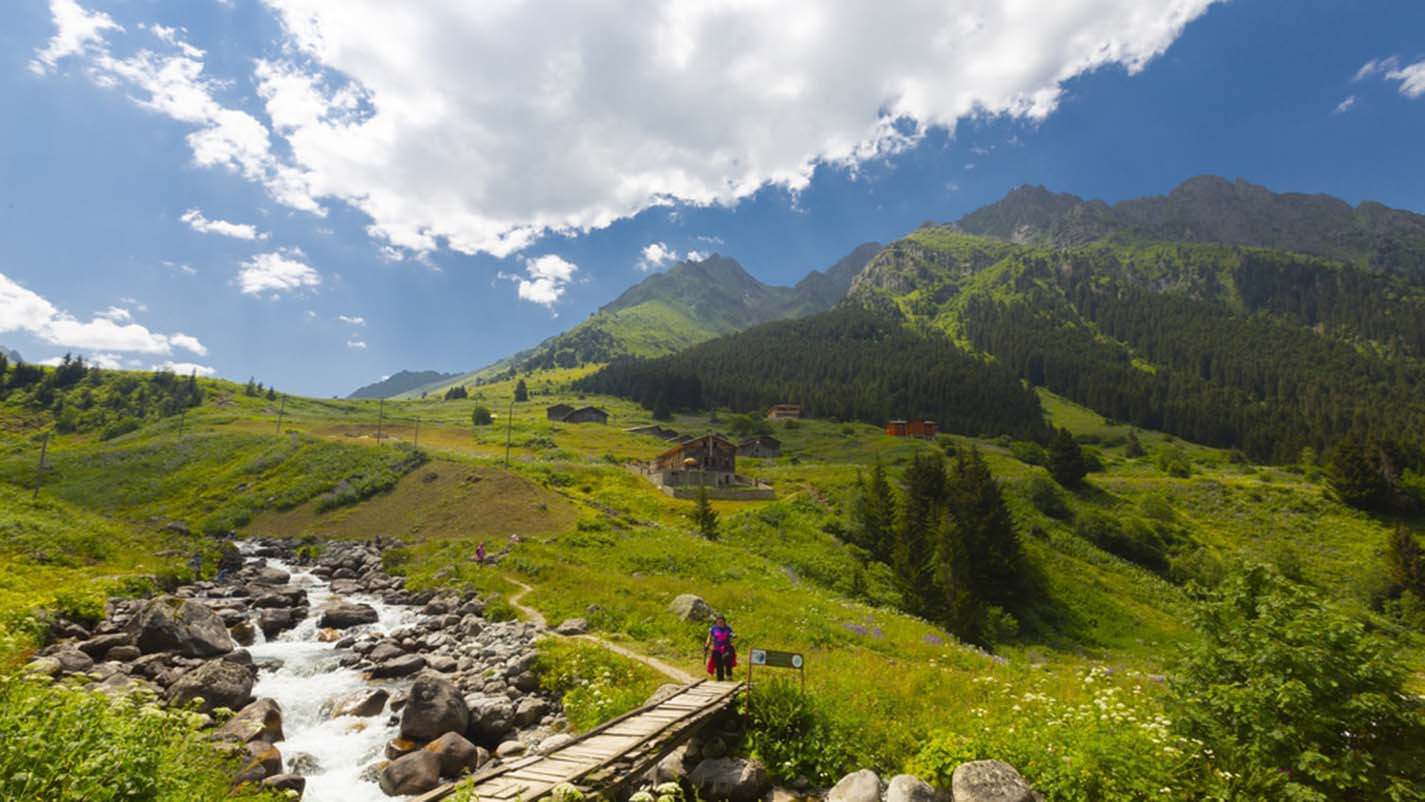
383, 651
124, 654
217, 683
572, 626
730, 779
457, 755
909, 788
403, 666
530, 710
433, 709
98, 646
362, 704
45, 666
303, 763
691, 608
510, 749
342, 614
271, 576
443, 663
73, 661
673, 768
491, 719
286, 782
989, 781
410, 774
274, 621
553, 743
185, 626
259, 721
858, 786
263, 760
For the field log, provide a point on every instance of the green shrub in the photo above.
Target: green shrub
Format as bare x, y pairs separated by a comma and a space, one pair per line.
497, 608
594, 684
796, 736
62, 744
1297, 700
81, 608
1028, 452
1045, 496
1133, 540
119, 428
1173, 461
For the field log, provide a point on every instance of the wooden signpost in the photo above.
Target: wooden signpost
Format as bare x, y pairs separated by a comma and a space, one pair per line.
769, 658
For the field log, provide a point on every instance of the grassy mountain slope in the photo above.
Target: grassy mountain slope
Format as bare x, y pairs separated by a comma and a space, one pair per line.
691, 302
1208, 209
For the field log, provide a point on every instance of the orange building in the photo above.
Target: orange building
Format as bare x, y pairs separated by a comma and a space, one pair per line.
914, 427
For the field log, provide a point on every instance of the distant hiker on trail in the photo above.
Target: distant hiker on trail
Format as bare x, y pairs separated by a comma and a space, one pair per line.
718, 649
480, 553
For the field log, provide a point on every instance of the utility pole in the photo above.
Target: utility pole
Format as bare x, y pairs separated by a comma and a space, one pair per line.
380, 420
417, 443
280, 411
40, 472
509, 420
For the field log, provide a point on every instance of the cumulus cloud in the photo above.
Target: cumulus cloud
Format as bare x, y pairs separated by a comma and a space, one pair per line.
656, 256
22, 310
200, 223
184, 368
278, 271
620, 107
75, 30
544, 279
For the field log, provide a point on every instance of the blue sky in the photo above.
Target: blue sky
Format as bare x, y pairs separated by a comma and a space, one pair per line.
320, 198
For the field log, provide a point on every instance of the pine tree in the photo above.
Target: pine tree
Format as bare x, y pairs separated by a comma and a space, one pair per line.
271, 394
991, 546
1066, 460
251, 389
1133, 449
911, 556
1405, 561
955, 604
873, 515
521, 391
704, 516
1354, 475
481, 416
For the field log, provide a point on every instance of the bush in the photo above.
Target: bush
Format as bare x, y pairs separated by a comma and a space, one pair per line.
481, 416
62, 744
1173, 461
1296, 699
594, 684
1045, 496
1132, 540
1028, 452
120, 427
795, 736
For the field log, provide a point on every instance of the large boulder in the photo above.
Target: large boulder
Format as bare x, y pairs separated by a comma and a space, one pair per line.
457, 755
858, 786
403, 666
218, 683
362, 704
410, 774
273, 621
909, 788
259, 721
185, 626
730, 779
73, 661
572, 626
989, 781
343, 614
691, 608
491, 719
271, 576
434, 708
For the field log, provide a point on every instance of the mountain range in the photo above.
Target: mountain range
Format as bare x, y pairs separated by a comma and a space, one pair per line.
401, 382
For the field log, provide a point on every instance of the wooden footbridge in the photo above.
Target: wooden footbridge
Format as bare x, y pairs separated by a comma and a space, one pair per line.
604, 758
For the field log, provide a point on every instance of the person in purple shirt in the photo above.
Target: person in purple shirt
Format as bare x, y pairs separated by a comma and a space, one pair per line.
721, 654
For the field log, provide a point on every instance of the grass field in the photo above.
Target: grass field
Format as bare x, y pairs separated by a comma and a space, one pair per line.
598, 542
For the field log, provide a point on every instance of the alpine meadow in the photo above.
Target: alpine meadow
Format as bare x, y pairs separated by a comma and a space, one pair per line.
725, 402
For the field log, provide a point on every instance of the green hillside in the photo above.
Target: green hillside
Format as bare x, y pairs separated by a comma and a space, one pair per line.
689, 303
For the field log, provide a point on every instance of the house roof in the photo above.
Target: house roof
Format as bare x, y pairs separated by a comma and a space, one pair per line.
685, 445
588, 409
558, 407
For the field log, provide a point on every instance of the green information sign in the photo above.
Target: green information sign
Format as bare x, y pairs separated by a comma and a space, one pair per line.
771, 658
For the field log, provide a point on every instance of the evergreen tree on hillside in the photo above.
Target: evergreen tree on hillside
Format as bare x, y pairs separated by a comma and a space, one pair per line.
703, 515
990, 545
1066, 460
912, 555
661, 411
873, 515
251, 389
271, 394
481, 416
1355, 475
1133, 449
457, 393
521, 391
954, 603
1405, 562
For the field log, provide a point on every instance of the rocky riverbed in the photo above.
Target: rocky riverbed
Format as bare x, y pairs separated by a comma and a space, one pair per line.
347, 686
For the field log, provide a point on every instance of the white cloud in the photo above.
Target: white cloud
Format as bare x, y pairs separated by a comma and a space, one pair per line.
75, 30
111, 330
620, 107
355, 320
656, 256
180, 267
1411, 78
696, 256
1375, 66
184, 368
198, 222
711, 240
1345, 105
544, 280
279, 271
356, 345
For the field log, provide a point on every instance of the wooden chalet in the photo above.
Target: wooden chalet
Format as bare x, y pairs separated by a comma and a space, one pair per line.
587, 415
784, 412
557, 412
654, 431
915, 427
711, 454
763, 446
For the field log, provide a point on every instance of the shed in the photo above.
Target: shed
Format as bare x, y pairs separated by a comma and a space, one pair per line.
784, 411
587, 415
762, 446
557, 412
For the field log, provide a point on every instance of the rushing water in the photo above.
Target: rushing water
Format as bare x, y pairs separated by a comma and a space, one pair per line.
308, 680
